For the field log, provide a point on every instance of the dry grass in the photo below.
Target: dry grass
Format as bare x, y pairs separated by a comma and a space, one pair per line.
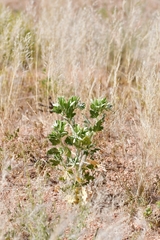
90, 49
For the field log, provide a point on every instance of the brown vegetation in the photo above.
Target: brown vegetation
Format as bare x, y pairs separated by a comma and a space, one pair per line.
90, 49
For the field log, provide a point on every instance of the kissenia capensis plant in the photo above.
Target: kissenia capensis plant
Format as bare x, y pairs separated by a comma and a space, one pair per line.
73, 142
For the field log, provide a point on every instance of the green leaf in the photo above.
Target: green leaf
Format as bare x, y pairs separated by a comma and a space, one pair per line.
62, 101
67, 108
54, 162
52, 151
58, 133
88, 177
59, 106
70, 171
98, 125
57, 156
92, 151
67, 151
98, 106
86, 140
69, 140
90, 166
56, 108
54, 140
93, 113
9, 167
59, 126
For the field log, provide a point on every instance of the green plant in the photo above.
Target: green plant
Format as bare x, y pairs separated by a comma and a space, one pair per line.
74, 145
148, 211
152, 215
